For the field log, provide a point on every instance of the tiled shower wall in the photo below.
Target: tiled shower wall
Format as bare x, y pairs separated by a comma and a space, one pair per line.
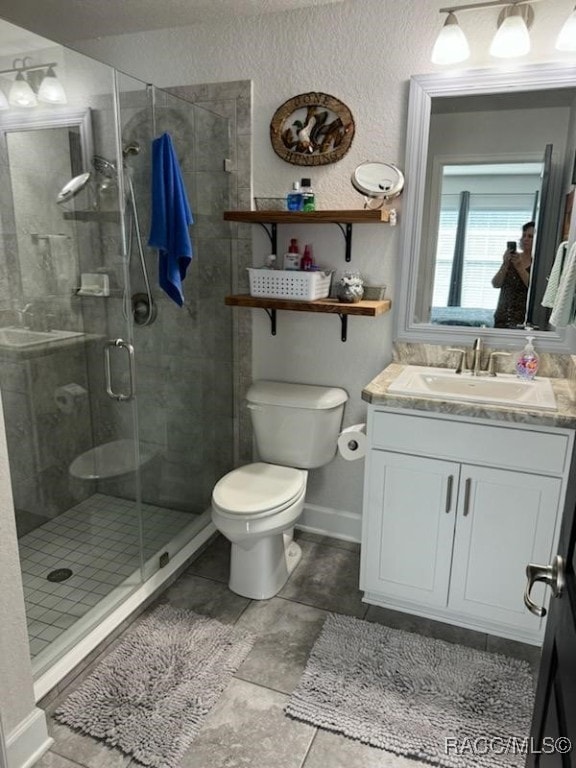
233, 100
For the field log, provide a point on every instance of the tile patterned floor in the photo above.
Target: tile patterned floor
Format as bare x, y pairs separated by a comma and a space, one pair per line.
99, 541
247, 727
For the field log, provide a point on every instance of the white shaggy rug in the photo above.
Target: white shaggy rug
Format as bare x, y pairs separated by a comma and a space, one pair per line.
150, 695
418, 697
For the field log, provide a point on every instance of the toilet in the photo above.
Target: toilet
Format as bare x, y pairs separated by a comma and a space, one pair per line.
296, 428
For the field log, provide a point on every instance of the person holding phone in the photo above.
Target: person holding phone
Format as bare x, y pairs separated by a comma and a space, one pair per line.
513, 279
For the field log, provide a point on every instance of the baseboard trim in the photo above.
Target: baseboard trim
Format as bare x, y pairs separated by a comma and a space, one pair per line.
325, 521
28, 741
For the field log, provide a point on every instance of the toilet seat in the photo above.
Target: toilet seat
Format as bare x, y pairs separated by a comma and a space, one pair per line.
258, 490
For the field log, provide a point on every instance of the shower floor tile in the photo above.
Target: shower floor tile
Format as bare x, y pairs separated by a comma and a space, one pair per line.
99, 541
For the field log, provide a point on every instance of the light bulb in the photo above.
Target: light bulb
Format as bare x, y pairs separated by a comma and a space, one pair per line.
21, 95
512, 38
451, 45
51, 90
567, 38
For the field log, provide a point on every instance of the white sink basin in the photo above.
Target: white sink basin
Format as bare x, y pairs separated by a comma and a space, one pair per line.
22, 337
504, 389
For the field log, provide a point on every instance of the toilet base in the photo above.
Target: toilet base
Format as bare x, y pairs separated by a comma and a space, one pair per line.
261, 570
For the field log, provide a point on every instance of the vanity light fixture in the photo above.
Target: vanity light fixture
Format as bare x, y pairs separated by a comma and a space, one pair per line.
510, 41
451, 45
33, 83
3, 101
512, 38
567, 38
51, 90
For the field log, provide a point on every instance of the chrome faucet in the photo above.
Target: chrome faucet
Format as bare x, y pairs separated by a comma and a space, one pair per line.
24, 315
477, 357
473, 363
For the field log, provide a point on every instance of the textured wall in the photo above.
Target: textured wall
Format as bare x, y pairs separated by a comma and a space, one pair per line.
362, 52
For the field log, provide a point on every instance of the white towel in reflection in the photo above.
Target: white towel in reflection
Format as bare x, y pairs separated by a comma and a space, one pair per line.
61, 260
564, 311
554, 276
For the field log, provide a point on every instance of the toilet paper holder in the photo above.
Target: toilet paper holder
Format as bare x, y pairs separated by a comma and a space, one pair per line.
352, 442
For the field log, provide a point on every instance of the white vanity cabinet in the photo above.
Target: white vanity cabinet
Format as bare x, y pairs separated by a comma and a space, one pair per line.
453, 512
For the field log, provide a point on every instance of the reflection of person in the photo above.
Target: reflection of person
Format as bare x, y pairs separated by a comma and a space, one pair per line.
513, 278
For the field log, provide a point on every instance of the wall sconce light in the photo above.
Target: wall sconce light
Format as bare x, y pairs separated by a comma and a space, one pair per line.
567, 38
3, 101
512, 38
33, 83
451, 45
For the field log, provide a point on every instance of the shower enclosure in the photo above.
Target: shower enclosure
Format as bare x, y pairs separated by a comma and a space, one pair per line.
118, 403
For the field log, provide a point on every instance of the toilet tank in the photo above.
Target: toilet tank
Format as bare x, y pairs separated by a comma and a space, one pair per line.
296, 424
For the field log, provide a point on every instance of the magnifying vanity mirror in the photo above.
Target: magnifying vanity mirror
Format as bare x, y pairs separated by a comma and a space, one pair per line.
378, 182
488, 151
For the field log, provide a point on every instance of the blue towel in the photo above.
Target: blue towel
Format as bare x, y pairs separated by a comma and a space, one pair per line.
171, 216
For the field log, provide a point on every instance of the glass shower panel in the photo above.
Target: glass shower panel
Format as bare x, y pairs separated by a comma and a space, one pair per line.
66, 361
184, 354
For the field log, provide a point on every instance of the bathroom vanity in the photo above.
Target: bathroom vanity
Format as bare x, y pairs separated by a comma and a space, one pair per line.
458, 499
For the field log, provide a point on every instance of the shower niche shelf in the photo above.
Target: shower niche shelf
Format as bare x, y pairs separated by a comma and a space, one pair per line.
112, 217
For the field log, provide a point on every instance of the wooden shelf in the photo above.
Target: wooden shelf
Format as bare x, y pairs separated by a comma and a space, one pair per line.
330, 306
360, 216
344, 219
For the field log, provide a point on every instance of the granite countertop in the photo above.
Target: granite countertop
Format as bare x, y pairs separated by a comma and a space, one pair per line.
376, 393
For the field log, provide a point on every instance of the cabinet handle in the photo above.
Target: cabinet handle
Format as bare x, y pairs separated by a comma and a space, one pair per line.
467, 488
449, 493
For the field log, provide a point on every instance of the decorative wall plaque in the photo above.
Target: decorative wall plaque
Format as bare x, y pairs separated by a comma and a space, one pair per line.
312, 129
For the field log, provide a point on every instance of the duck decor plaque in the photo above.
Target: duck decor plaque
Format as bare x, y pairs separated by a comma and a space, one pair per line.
312, 129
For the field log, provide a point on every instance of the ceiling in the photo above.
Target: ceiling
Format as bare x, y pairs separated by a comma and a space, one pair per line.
66, 21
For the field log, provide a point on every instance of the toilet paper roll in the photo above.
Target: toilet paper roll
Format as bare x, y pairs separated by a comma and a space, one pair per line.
352, 442
69, 396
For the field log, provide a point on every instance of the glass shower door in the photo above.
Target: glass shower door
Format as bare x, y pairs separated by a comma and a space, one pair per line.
67, 368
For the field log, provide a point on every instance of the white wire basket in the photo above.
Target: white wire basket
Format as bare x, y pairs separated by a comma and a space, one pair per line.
289, 284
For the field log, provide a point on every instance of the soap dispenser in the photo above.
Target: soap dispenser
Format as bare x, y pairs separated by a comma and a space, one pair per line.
527, 362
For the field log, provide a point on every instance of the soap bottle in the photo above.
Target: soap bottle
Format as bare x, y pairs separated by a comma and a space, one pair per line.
527, 363
293, 257
308, 197
307, 261
294, 199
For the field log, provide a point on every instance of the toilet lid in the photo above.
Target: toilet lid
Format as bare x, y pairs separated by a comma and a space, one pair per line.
258, 487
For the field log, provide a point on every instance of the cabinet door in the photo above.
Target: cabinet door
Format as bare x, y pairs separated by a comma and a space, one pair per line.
409, 527
505, 520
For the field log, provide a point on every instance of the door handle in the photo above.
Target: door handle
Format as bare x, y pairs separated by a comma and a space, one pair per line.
552, 574
119, 344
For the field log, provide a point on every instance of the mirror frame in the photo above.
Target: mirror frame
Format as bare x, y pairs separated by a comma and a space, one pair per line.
61, 118
423, 88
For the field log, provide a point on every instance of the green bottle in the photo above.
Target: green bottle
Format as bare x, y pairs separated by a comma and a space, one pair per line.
308, 199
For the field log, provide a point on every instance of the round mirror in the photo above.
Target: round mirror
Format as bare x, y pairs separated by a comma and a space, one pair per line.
378, 182
72, 188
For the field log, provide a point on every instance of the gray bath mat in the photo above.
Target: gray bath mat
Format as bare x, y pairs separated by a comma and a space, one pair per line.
422, 698
150, 695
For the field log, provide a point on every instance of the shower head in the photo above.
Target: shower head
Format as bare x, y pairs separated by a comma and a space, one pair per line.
109, 168
72, 188
105, 167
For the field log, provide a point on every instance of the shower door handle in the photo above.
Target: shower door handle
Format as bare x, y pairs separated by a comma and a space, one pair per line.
119, 344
